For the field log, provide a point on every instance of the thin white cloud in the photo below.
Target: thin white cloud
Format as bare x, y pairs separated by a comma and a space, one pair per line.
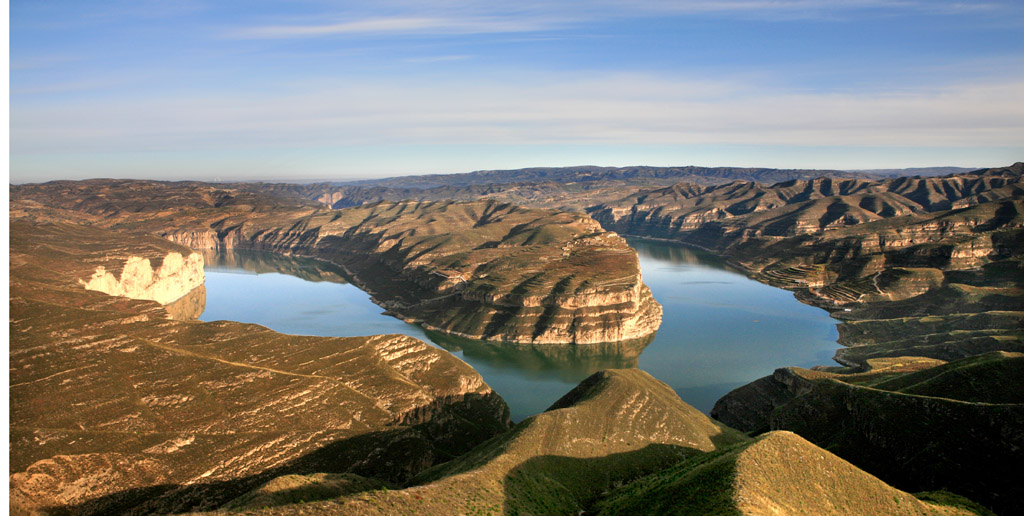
527, 16
439, 59
531, 110
395, 25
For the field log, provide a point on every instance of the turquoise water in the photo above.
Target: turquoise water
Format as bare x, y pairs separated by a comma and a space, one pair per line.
720, 329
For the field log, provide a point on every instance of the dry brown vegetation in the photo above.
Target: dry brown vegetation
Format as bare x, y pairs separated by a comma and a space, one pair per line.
116, 406
483, 270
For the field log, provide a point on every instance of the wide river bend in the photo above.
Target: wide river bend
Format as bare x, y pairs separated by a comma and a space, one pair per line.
720, 329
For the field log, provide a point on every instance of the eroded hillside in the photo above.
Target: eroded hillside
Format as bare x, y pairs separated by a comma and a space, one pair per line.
917, 266
922, 271
481, 270
589, 454
117, 406
563, 188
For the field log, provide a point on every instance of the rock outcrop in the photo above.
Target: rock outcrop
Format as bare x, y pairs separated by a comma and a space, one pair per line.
476, 270
170, 279
117, 408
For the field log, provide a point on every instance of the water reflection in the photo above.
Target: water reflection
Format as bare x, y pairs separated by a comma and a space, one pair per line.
189, 307
720, 328
310, 297
678, 254
569, 363
260, 262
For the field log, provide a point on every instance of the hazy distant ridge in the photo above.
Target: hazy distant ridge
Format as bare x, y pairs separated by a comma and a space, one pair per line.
700, 175
918, 171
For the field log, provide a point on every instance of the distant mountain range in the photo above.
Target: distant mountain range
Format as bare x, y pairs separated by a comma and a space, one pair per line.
629, 175
642, 174
565, 188
919, 171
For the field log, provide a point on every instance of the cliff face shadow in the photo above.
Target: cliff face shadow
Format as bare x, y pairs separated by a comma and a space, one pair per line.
567, 362
363, 462
338, 457
551, 484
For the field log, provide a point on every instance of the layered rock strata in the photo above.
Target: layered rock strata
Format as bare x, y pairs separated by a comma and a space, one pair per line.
589, 454
614, 426
919, 270
567, 189
887, 257
476, 270
117, 408
481, 270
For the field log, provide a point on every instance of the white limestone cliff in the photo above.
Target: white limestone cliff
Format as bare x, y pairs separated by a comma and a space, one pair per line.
175, 277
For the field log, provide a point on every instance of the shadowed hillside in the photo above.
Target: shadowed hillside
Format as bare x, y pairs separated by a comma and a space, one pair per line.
921, 270
779, 473
615, 426
916, 423
619, 443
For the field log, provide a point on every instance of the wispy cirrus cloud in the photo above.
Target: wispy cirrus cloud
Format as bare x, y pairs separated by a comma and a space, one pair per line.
282, 78
397, 25
439, 59
533, 110
476, 17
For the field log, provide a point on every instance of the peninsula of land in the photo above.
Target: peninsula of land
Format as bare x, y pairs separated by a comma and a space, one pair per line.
120, 403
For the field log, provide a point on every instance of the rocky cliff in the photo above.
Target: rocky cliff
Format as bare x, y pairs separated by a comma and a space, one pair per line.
170, 279
117, 408
481, 270
887, 256
477, 270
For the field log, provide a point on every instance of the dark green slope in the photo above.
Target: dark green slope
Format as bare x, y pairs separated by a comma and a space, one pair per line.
952, 426
779, 473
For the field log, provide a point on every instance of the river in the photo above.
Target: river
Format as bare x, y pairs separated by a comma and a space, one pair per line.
720, 329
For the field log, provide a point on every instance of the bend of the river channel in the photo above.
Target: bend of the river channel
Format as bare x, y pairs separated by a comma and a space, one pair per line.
720, 329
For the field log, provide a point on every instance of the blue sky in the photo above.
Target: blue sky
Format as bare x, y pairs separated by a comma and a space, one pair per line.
320, 89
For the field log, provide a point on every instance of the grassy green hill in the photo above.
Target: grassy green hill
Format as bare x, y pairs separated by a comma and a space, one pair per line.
919, 424
779, 473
